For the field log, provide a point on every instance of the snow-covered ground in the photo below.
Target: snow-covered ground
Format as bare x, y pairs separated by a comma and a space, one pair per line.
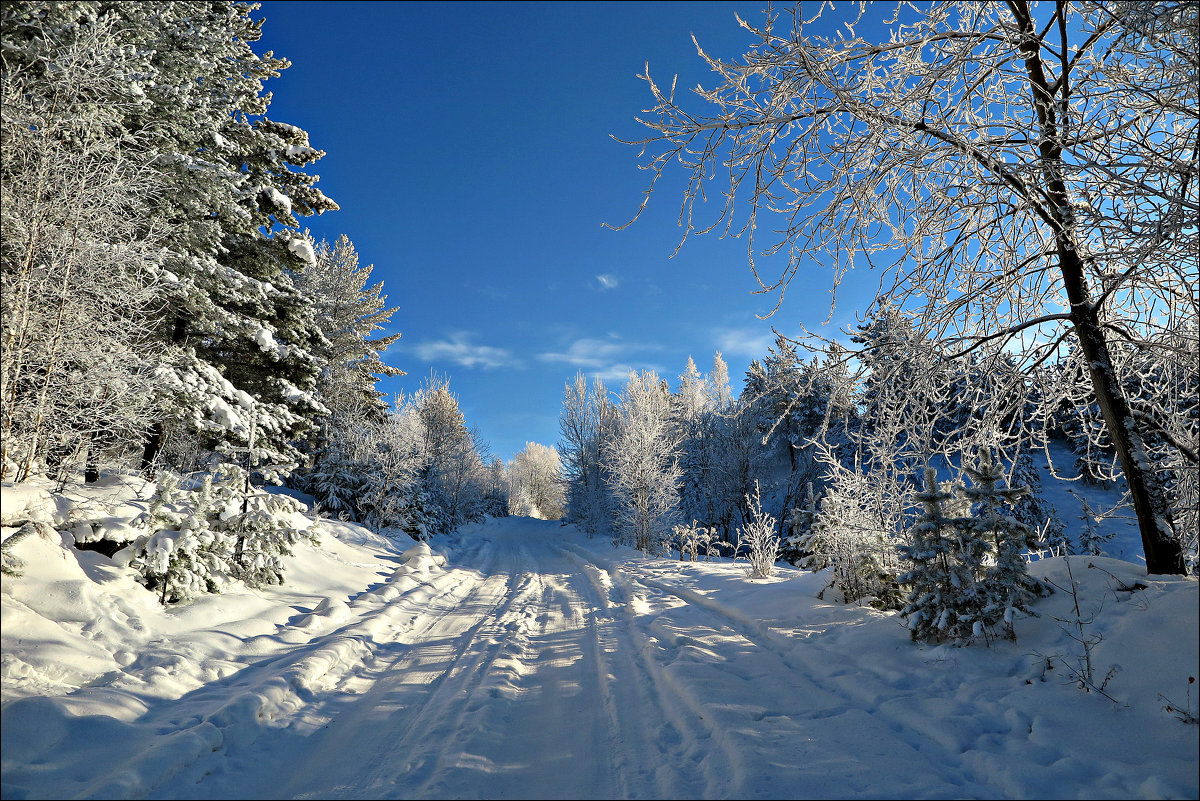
518, 659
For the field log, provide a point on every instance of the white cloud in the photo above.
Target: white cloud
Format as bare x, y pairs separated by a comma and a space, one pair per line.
608, 360
751, 343
614, 373
587, 353
459, 350
607, 281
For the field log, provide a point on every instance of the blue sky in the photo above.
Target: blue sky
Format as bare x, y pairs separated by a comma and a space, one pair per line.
469, 147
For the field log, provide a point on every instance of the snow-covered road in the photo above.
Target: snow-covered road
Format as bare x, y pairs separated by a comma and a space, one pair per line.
539, 664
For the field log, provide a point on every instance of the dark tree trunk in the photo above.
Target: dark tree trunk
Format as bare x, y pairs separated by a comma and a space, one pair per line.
1164, 552
154, 437
154, 443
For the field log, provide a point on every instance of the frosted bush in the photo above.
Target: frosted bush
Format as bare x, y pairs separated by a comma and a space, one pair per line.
759, 538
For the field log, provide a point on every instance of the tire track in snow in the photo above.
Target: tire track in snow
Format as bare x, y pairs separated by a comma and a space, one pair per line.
430, 667
688, 766
761, 712
859, 688
269, 693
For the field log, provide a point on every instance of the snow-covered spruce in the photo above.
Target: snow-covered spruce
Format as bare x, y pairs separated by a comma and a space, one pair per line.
967, 578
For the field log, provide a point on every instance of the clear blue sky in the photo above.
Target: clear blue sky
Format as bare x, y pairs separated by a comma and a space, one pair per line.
469, 147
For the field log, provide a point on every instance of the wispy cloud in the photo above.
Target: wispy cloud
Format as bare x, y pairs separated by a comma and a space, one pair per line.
607, 281
606, 359
587, 353
613, 373
458, 349
750, 343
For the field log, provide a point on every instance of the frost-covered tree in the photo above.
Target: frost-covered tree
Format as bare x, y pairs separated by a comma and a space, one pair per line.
79, 267
455, 457
967, 579
795, 404
588, 420
694, 418
1006, 586
191, 105
1021, 176
495, 493
856, 532
936, 607
642, 460
801, 547
348, 312
535, 486
200, 540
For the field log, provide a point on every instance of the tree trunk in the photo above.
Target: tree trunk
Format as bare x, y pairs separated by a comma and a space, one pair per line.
1164, 553
154, 443
154, 437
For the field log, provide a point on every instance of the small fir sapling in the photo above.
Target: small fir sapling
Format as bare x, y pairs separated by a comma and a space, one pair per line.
802, 537
1091, 538
183, 555
1005, 584
192, 544
936, 607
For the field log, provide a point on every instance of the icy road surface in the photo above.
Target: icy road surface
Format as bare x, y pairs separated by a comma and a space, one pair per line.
539, 664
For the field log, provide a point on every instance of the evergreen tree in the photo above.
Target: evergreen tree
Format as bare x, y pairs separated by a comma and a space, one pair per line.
348, 312
192, 106
934, 578
802, 547
1005, 586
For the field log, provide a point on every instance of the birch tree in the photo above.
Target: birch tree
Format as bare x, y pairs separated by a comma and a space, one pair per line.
643, 463
588, 419
78, 268
1021, 176
535, 487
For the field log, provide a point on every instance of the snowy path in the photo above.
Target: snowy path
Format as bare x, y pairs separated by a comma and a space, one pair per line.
539, 664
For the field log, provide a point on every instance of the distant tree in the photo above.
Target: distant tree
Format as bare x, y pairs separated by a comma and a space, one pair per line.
1021, 177
587, 421
495, 493
454, 456
534, 482
642, 460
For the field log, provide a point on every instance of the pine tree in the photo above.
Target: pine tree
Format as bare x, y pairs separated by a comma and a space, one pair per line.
803, 547
348, 312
